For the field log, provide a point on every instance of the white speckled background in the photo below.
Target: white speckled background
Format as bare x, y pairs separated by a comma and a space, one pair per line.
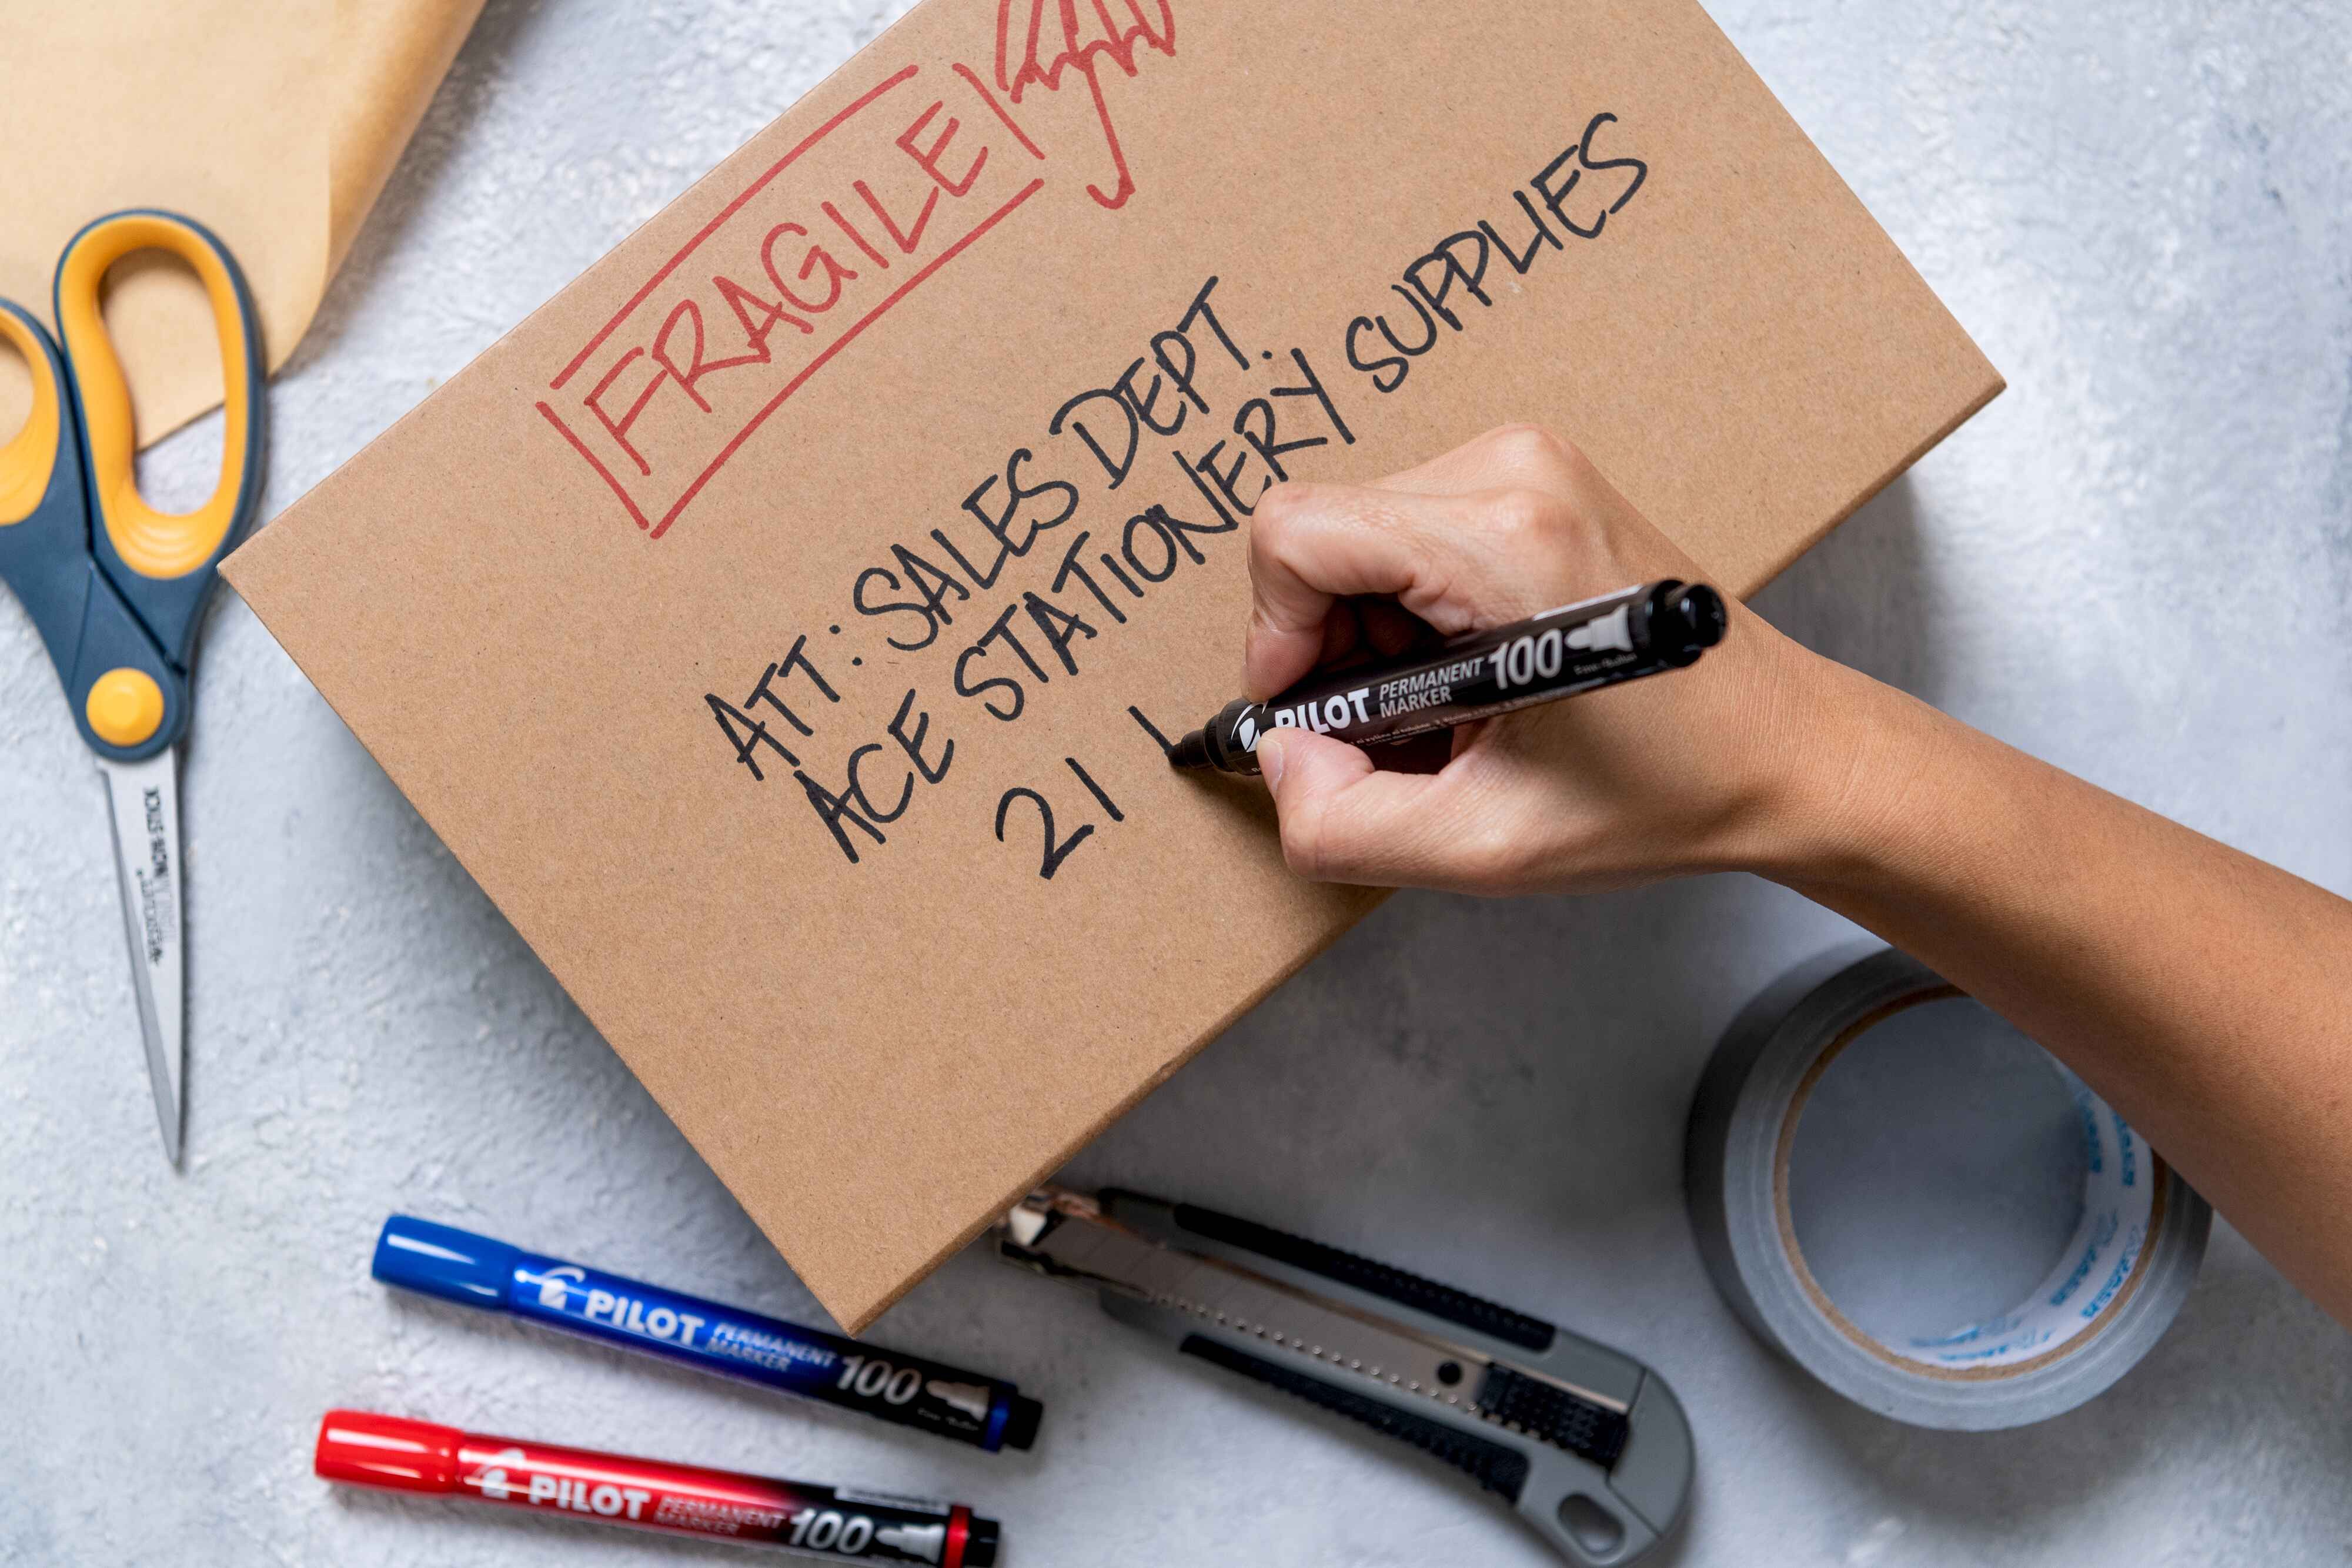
2136, 563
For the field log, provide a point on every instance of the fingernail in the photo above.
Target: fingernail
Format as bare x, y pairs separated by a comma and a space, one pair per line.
1269, 759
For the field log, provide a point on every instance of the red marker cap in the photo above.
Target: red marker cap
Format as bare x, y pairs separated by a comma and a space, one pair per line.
358, 1447
362, 1449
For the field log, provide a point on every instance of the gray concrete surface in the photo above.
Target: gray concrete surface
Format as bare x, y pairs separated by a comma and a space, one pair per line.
2136, 564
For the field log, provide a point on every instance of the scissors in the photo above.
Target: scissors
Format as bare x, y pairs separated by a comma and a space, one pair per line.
116, 589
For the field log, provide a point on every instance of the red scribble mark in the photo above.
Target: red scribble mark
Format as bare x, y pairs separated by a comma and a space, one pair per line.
706, 230
1065, 41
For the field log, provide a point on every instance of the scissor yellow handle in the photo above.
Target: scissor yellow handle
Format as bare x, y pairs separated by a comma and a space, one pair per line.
151, 543
26, 461
129, 698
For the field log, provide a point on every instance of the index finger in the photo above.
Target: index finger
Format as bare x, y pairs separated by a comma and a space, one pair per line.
1313, 545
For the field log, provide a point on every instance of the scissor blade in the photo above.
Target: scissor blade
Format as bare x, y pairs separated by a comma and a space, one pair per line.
145, 800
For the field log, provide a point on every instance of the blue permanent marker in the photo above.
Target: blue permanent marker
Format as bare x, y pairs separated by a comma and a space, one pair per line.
460, 1266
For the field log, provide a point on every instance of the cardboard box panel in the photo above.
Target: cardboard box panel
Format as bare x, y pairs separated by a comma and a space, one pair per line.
774, 623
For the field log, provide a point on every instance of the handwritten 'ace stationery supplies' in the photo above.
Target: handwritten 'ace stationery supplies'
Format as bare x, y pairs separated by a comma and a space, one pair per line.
357, 1447
1588, 1445
907, 1390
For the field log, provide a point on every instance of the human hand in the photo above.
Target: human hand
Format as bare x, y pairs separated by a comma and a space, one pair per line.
1710, 767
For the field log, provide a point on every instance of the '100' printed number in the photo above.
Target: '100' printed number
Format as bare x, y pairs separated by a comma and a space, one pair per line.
864, 1374
824, 1529
1522, 659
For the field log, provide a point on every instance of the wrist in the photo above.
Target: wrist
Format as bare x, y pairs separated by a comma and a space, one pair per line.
1839, 761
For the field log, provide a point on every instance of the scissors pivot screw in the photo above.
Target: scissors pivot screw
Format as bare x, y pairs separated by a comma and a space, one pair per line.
125, 706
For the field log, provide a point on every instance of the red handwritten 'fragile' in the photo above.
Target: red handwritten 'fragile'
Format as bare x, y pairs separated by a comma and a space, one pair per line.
812, 253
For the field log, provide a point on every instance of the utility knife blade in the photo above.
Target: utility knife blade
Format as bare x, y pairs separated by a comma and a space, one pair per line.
1588, 1445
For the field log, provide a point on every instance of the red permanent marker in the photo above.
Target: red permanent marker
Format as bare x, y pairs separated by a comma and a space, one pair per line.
361, 1450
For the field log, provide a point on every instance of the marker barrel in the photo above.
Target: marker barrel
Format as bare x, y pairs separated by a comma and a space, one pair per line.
477, 1271
358, 1448
1618, 637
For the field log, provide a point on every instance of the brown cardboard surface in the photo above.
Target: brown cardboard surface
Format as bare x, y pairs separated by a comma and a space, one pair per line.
275, 126
720, 464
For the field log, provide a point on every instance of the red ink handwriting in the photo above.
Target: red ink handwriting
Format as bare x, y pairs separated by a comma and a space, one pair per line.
1038, 40
819, 246
784, 278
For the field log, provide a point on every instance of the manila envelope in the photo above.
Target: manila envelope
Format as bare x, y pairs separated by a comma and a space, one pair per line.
274, 126
782, 624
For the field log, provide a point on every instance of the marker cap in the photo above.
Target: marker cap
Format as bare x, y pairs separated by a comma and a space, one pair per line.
362, 1449
1021, 1423
980, 1546
443, 1260
1681, 621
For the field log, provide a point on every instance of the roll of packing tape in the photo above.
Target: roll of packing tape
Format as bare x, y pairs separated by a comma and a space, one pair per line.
1923, 1209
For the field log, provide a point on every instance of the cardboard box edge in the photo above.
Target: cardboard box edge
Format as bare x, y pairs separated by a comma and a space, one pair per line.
858, 1322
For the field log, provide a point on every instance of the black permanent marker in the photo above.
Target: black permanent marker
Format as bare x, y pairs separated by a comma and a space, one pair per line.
1620, 636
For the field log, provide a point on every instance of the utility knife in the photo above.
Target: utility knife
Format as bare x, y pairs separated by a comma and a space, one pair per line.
1588, 1445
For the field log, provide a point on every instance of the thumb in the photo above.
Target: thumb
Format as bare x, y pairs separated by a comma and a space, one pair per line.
1344, 820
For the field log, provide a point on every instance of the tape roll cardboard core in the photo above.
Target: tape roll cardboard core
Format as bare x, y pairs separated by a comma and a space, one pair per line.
1923, 1209
1951, 1196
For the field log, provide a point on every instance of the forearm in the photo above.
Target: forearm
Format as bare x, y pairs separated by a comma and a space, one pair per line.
2204, 993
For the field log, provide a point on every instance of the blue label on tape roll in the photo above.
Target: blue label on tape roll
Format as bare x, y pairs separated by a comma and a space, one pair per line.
2075, 1318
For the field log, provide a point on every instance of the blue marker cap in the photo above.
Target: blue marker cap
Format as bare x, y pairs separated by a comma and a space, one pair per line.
443, 1260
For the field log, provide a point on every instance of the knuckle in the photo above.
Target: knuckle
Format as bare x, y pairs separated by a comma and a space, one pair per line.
1270, 526
1489, 848
1495, 859
1578, 469
1272, 533
1526, 518
1551, 461
1528, 444
1306, 841
1282, 508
